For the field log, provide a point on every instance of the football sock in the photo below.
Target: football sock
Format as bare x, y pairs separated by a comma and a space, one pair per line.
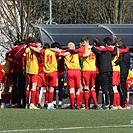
118, 99
33, 95
37, 96
115, 99
46, 97
86, 98
72, 100
78, 100
93, 94
50, 97
27, 96
81, 94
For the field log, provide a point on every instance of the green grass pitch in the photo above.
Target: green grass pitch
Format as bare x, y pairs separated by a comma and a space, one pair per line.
65, 121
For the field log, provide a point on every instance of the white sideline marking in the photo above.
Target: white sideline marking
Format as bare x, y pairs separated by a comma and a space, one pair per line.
67, 128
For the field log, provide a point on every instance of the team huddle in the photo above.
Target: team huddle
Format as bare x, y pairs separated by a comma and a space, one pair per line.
30, 66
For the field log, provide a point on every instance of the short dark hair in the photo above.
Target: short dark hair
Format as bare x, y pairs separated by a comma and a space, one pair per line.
46, 45
118, 41
17, 43
30, 40
108, 41
55, 45
85, 39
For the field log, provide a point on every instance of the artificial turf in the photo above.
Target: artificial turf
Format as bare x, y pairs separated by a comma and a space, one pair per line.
60, 120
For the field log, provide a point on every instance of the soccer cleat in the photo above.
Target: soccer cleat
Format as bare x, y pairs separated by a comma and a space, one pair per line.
105, 107
3, 105
77, 107
51, 107
81, 106
127, 106
45, 105
54, 105
7, 105
84, 108
111, 107
120, 108
38, 106
32, 106
14, 106
96, 107
59, 106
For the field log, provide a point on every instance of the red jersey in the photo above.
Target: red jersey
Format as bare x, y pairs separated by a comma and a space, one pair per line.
1, 66
10, 57
60, 62
41, 62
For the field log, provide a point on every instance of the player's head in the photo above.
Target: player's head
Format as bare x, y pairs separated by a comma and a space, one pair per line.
97, 41
108, 41
71, 45
46, 46
55, 45
85, 41
30, 40
23, 41
17, 43
118, 42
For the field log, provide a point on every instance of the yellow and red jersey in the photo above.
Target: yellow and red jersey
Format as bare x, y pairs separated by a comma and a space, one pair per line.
50, 61
6, 67
72, 61
89, 63
117, 67
31, 61
129, 81
130, 75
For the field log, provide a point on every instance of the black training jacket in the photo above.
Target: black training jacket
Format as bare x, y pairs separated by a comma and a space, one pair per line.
103, 60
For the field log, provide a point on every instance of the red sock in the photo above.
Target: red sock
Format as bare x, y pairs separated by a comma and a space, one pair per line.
86, 98
33, 96
72, 100
50, 97
115, 99
37, 96
78, 100
46, 97
93, 94
27, 96
118, 99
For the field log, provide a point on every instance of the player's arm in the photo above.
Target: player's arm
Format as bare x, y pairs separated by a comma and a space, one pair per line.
117, 62
24, 63
96, 51
20, 52
87, 54
34, 49
125, 50
114, 52
110, 48
64, 54
102, 48
55, 50
75, 51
